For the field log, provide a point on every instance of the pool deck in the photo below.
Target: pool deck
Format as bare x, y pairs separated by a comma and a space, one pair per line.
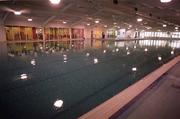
160, 102
119, 101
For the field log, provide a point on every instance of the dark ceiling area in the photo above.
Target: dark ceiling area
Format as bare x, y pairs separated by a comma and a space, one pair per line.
121, 12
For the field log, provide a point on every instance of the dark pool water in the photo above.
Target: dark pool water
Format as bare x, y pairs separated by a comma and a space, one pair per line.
82, 79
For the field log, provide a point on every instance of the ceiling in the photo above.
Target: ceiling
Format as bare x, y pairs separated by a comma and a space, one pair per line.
81, 12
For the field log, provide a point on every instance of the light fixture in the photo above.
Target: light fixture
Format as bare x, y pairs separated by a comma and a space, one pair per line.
29, 19
58, 103
64, 22
139, 19
164, 25
104, 51
97, 21
115, 23
88, 24
105, 26
130, 26
55, 2
176, 28
17, 13
134, 47
165, 1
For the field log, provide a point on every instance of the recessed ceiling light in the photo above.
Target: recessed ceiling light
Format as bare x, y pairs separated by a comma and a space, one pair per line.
64, 22
139, 19
17, 13
97, 21
29, 19
165, 1
55, 2
176, 28
164, 25
105, 26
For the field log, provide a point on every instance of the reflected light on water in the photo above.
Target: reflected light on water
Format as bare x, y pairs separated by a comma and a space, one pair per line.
41, 47
127, 48
87, 54
24, 76
58, 103
145, 49
64, 55
134, 69
53, 51
159, 58
33, 62
95, 60
172, 52
117, 50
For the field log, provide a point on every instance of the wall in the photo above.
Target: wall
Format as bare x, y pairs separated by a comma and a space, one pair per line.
3, 45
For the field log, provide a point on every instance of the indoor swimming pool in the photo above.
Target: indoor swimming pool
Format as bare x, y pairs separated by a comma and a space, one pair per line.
66, 82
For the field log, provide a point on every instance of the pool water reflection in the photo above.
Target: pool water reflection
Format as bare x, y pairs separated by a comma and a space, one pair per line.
67, 82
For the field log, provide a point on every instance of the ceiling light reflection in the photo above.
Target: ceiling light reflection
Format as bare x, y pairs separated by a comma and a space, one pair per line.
134, 69
95, 60
58, 103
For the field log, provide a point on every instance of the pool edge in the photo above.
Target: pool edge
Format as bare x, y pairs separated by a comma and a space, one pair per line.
122, 99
